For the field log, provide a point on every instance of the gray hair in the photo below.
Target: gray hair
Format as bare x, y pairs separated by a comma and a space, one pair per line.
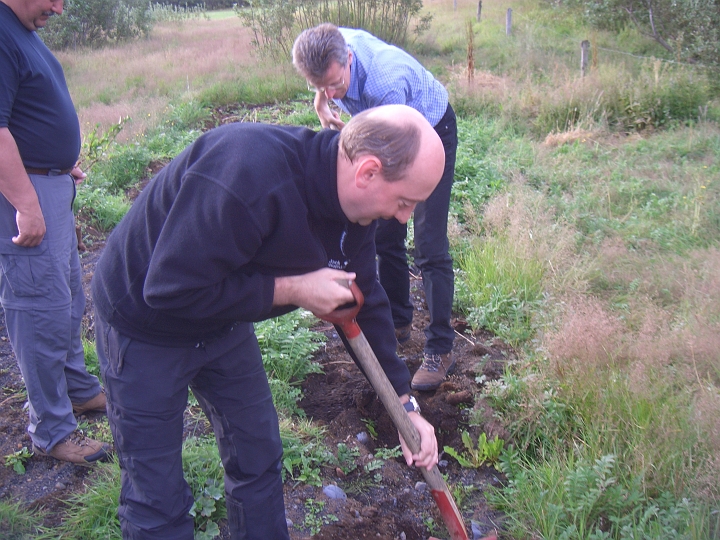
315, 49
395, 144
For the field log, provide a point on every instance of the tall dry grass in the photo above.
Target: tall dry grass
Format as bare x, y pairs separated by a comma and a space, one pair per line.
139, 79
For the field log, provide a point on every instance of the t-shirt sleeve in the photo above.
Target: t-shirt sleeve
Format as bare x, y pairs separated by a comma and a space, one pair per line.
8, 84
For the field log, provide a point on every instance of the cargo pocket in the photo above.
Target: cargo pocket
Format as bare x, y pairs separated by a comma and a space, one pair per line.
27, 270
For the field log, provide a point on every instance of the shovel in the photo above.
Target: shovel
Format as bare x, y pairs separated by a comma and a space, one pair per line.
345, 319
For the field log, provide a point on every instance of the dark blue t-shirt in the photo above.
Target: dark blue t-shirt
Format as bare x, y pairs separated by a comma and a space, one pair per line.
35, 103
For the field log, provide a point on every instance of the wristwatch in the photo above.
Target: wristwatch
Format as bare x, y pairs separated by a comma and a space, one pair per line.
412, 405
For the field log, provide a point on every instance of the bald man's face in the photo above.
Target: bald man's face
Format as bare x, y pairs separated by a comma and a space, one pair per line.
387, 200
380, 199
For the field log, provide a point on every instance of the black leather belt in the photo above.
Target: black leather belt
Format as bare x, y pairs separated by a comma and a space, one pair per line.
46, 172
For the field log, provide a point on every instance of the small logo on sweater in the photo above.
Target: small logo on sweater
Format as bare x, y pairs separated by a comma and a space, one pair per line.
337, 265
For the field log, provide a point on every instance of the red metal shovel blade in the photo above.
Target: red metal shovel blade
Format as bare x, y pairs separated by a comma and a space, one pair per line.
448, 510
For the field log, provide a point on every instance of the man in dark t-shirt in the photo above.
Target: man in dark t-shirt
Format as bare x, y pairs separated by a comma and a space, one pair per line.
40, 276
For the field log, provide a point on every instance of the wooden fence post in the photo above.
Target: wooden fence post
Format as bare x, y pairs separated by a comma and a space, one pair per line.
479, 10
508, 22
584, 55
470, 52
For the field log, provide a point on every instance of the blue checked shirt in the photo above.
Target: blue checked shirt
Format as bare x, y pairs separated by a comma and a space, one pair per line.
382, 74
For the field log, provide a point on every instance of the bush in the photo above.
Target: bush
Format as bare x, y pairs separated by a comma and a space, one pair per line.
687, 29
93, 23
276, 23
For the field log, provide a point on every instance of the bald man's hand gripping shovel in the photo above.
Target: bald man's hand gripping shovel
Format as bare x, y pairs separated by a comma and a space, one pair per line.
345, 319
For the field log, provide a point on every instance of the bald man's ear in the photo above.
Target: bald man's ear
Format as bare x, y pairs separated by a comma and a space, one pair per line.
369, 169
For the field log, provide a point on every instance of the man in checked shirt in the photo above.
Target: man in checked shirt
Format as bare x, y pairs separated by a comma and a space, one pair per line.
359, 71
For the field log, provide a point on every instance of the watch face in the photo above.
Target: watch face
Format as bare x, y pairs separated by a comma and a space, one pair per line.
412, 405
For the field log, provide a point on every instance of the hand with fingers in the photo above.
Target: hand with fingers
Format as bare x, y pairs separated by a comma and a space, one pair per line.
428, 455
320, 291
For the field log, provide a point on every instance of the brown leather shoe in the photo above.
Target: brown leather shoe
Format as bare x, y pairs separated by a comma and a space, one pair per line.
77, 448
434, 369
402, 334
96, 404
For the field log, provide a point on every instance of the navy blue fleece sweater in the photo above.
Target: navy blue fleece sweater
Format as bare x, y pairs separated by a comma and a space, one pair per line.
201, 246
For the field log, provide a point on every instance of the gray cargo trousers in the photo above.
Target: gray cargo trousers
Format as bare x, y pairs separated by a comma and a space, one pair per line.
41, 293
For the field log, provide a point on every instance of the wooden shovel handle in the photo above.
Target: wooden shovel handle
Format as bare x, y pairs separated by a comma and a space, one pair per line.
346, 320
440, 492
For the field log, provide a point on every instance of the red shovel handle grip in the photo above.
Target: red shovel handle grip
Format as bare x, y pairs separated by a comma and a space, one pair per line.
345, 317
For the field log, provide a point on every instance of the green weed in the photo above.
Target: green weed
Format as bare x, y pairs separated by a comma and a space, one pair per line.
304, 452
586, 500
370, 426
255, 89
205, 475
92, 513
95, 144
99, 208
347, 458
91, 359
475, 456
388, 453
17, 459
433, 527
462, 494
287, 345
314, 516
477, 177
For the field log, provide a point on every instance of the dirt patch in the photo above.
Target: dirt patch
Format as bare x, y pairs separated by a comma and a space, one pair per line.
399, 506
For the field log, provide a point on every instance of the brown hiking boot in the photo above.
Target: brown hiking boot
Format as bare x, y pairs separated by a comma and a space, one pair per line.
96, 404
402, 334
77, 448
432, 371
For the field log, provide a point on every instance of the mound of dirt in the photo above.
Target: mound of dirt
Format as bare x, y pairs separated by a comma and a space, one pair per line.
399, 505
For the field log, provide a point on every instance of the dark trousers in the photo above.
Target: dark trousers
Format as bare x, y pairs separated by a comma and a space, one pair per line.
431, 254
147, 392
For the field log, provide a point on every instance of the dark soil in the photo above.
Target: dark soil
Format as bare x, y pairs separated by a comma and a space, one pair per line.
394, 505
399, 506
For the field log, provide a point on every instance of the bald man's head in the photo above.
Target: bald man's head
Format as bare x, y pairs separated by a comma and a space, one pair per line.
390, 159
392, 133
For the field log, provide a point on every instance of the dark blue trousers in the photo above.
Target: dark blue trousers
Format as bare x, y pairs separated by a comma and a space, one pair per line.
431, 254
147, 392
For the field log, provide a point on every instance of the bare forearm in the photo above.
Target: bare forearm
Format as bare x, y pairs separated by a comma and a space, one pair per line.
14, 182
328, 118
15, 185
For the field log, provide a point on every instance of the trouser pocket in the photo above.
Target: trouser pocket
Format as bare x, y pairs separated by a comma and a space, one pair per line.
26, 271
111, 347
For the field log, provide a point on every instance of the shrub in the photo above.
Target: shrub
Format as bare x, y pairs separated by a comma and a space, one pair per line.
276, 23
688, 29
93, 23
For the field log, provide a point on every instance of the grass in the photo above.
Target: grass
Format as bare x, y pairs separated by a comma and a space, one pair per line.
585, 225
92, 513
17, 522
